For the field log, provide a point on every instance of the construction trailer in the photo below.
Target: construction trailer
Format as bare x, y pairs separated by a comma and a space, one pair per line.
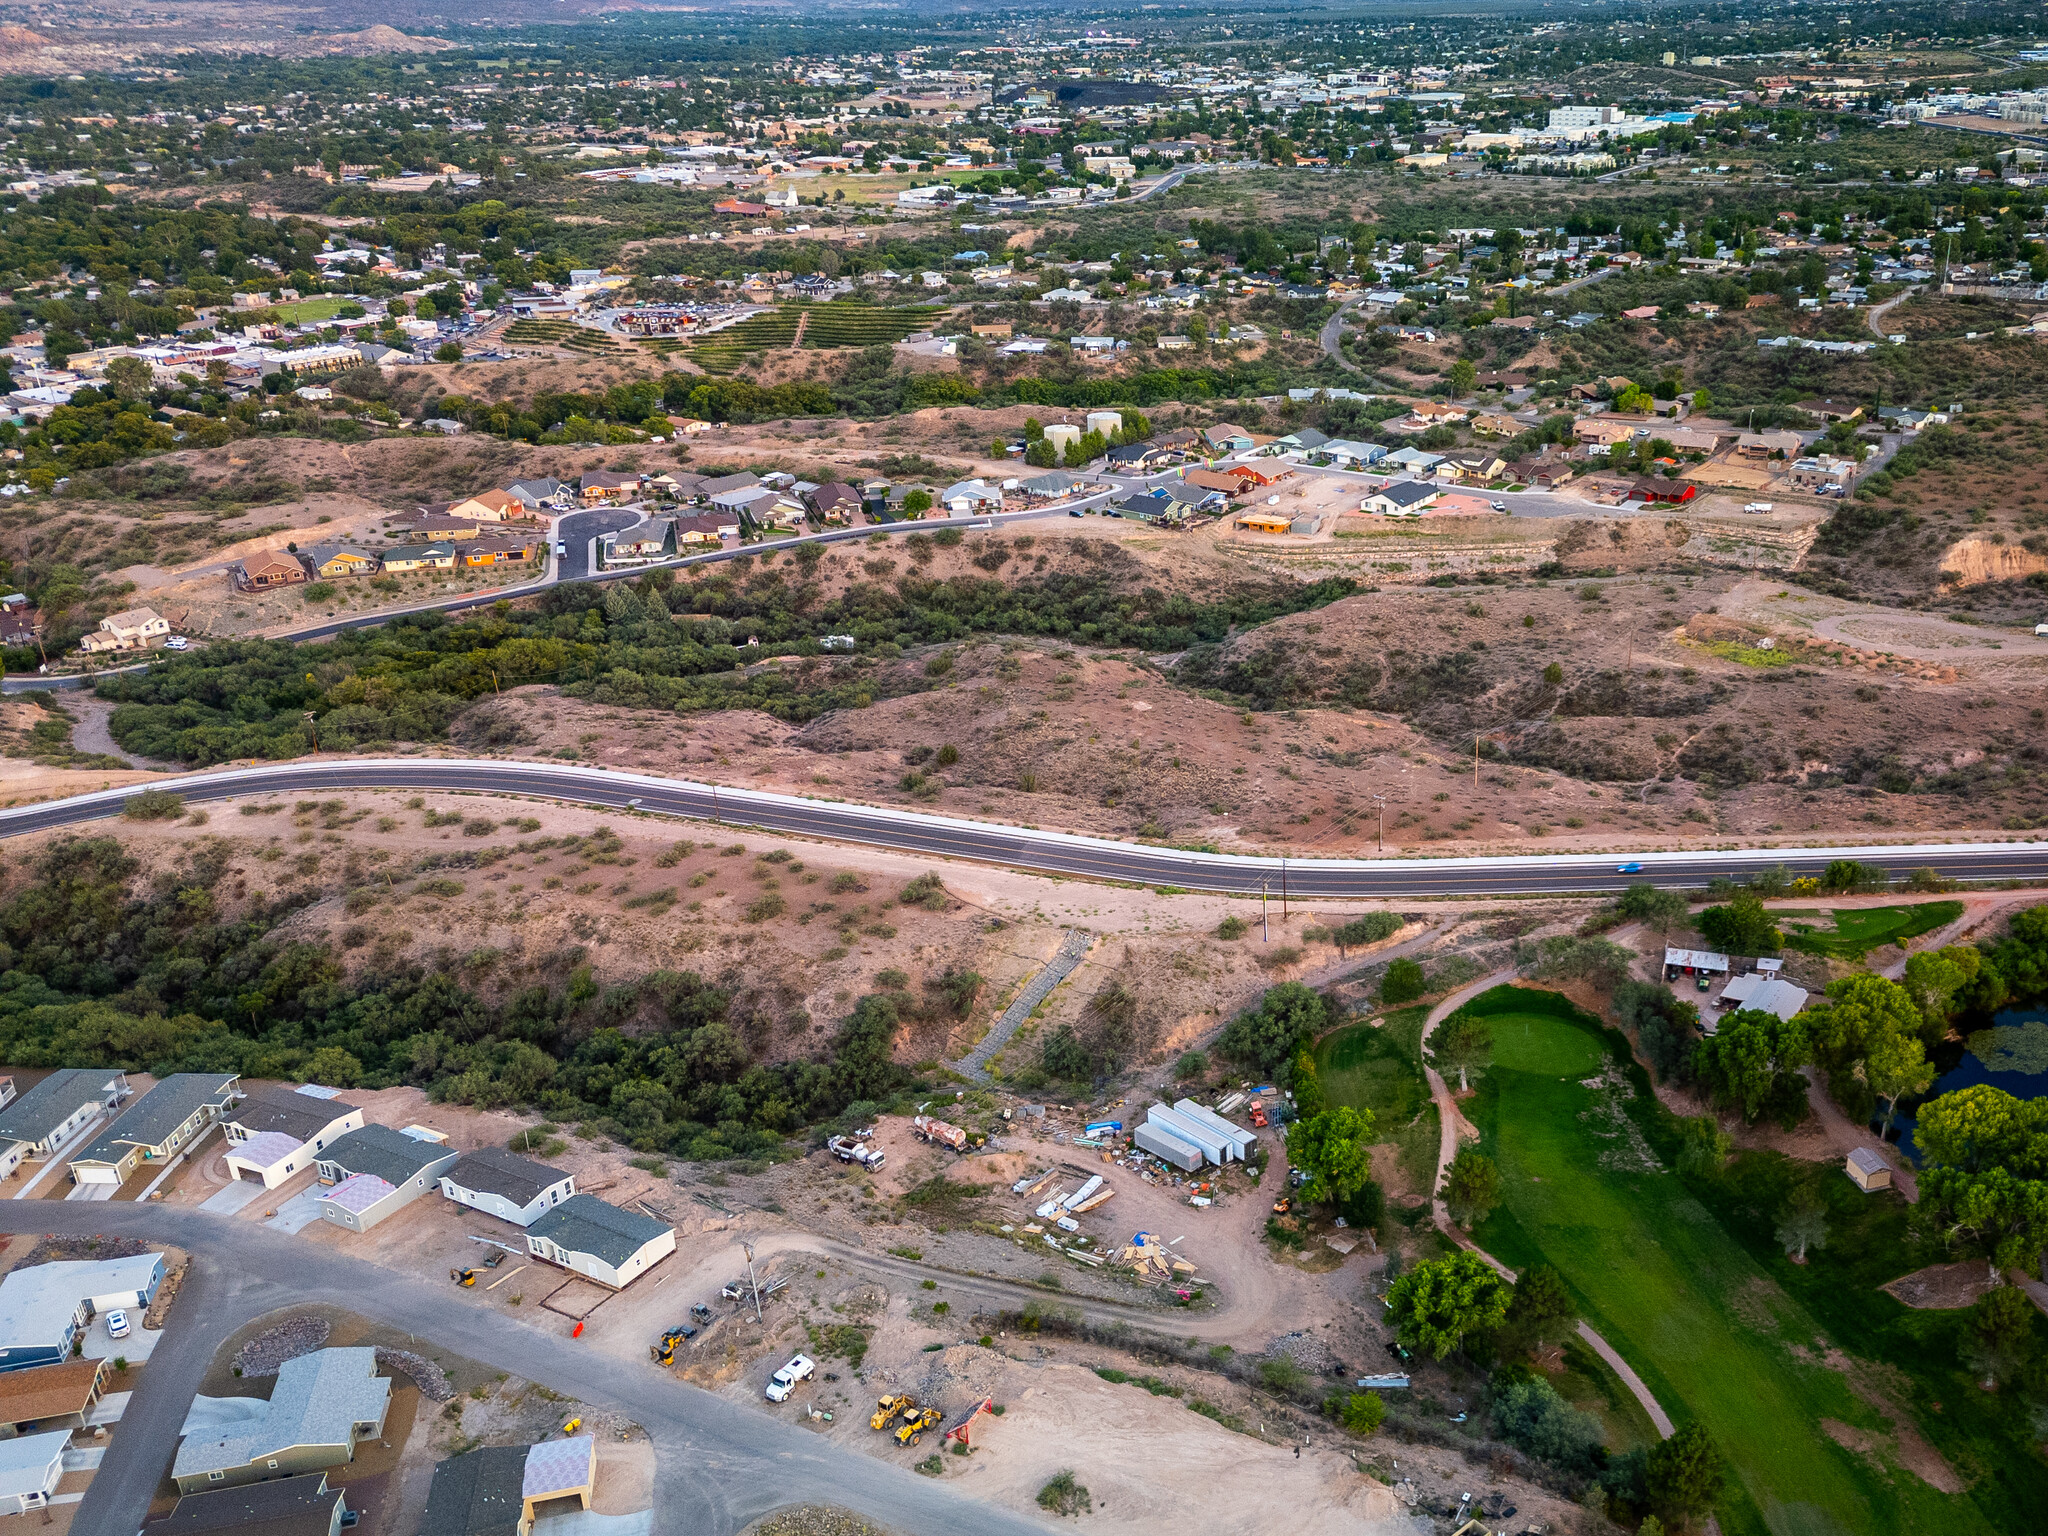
1168, 1148
1238, 1135
1216, 1148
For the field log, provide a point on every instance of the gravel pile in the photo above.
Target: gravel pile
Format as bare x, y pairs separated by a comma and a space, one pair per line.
293, 1337
959, 1375
432, 1381
1305, 1350
815, 1520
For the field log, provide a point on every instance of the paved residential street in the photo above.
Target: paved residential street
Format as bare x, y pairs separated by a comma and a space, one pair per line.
719, 1466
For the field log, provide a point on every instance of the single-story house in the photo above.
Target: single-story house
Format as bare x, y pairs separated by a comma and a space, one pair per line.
1767, 994
30, 1468
39, 1122
157, 1126
718, 485
329, 561
1401, 498
1477, 466
288, 1506
274, 1134
1308, 439
431, 525
601, 486
498, 549
1605, 431
742, 498
1052, 485
970, 496
479, 1493
1488, 424
1213, 480
45, 1397
322, 1405
599, 1241
376, 1172
1414, 460
134, 629
1548, 473
44, 1308
271, 568
1436, 413
503, 1184
1867, 1170
489, 507
1135, 458
709, 531
642, 545
423, 557
1666, 490
834, 501
1225, 438
1348, 450
543, 493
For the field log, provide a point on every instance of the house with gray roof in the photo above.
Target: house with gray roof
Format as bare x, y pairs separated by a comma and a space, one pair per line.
290, 1506
376, 1172
322, 1405
44, 1308
479, 1493
35, 1125
503, 1184
600, 1242
158, 1126
275, 1134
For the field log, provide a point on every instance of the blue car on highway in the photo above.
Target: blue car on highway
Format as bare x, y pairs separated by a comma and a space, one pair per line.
1630, 869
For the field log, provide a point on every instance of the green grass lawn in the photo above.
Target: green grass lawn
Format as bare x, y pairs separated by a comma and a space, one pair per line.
1859, 930
1684, 1278
1380, 1068
305, 311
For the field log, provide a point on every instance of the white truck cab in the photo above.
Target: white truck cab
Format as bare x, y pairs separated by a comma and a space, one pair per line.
783, 1382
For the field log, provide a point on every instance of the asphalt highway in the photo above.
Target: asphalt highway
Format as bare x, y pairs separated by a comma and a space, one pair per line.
1040, 852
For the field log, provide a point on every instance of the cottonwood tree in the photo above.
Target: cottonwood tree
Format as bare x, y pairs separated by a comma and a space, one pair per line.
1334, 1149
1471, 1187
1463, 1043
1751, 1064
1437, 1304
1804, 1225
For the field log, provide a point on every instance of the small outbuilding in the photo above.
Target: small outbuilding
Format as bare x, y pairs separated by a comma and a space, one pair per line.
1867, 1170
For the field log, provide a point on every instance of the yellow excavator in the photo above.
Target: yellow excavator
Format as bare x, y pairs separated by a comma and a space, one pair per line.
886, 1409
914, 1426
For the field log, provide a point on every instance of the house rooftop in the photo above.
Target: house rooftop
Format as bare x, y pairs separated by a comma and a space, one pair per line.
318, 1400
480, 1493
585, 1224
300, 1116
152, 1119
38, 1303
285, 1506
495, 1171
391, 1155
37, 1113
48, 1391
25, 1461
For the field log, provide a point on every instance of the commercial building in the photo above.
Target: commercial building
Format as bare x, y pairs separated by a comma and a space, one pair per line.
505, 1185
599, 1241
322, 1405
157, 1126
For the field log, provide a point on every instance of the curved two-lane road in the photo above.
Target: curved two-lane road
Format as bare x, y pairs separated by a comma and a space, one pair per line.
1041, 852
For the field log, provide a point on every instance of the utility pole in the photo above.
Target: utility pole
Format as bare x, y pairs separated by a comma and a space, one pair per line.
1283, 893
748, 1249
1265, 927
1475, 760
1380, 804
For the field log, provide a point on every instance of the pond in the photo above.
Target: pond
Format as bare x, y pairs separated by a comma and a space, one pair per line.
2012, 1054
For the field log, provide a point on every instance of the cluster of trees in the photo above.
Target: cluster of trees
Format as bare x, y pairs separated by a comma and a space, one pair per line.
624, 644
1461, 1304
96, 969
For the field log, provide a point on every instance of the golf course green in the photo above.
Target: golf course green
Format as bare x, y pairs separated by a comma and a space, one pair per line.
1782, 1363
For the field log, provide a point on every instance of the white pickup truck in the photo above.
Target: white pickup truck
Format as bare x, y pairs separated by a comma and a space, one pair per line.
783, 1382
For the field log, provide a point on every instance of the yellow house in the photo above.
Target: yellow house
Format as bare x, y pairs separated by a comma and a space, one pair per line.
489, 507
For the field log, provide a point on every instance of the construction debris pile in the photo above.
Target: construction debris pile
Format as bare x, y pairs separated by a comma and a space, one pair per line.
1154, 1261
1305, 1350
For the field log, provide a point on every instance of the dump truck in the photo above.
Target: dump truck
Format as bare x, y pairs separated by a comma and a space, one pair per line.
886, 1409
940, 1132
847, 1150
914, 1426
